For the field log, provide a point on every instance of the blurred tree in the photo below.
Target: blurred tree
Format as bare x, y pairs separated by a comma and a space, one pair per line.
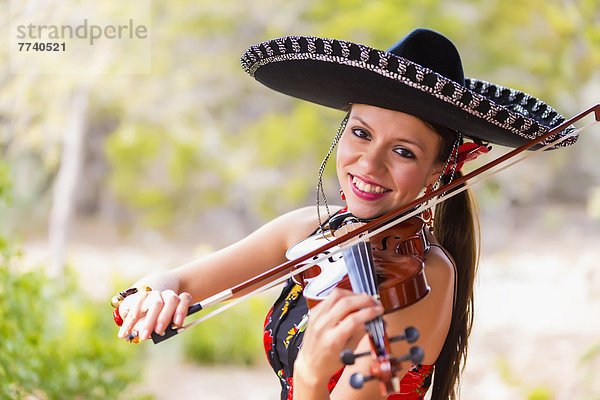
197, 133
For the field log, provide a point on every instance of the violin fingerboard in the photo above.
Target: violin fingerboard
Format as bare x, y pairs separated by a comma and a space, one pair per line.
360, 268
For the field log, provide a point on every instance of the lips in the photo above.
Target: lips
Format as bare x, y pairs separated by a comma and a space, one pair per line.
366, 189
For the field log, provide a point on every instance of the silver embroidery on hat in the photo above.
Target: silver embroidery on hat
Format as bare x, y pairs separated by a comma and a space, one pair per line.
383, 61
478, 89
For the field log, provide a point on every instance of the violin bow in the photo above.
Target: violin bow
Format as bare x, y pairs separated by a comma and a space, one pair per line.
380, 224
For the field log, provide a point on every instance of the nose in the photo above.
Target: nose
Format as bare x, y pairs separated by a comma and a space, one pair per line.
372, 160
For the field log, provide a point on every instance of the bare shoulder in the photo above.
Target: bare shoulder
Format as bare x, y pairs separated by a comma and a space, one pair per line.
298, 224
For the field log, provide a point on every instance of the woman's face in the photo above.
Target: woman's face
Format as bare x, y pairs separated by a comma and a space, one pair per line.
384, 159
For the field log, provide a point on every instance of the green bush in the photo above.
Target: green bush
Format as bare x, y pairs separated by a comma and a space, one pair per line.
233, 337
56, 344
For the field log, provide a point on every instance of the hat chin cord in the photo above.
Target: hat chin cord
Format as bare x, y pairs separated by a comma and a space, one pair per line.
320, 189
452, 158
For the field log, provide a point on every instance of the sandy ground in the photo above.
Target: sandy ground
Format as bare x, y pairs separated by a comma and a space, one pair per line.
537, 307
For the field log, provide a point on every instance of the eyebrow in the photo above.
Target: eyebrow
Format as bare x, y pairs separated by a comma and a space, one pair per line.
404, 140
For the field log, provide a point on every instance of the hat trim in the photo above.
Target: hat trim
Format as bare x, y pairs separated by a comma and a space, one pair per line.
481, 95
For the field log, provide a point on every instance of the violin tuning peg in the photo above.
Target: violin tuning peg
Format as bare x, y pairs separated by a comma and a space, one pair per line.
348, 357
411, 335
357, 380
415, 355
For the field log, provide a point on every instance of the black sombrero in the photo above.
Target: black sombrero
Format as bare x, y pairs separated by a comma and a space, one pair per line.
421, 75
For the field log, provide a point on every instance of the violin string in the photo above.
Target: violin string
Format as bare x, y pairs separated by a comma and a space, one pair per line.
358, 266
367, 235
366, 287
375, 326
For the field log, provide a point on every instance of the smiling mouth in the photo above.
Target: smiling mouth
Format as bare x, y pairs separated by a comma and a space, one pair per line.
368, 187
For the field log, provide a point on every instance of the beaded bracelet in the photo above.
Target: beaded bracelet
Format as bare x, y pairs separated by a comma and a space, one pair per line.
118, 299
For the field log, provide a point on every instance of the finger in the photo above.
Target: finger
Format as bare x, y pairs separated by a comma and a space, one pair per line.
126, 305
339, 293
133, 315
152, 305
185, 299
347, 304
330, 300
352, 328
355, 322
166, 314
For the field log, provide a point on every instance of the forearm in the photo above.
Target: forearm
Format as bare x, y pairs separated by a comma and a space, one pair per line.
166, 280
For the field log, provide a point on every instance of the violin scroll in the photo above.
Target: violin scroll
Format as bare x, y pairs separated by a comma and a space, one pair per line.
415, 355
384, 368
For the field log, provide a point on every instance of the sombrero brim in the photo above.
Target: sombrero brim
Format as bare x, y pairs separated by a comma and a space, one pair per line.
336, 73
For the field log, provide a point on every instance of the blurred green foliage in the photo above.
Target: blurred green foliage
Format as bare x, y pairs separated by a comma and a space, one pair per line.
530, 391
57, 344
590, 362
54, 342
198, 133
7, 249
540, 393
233, 337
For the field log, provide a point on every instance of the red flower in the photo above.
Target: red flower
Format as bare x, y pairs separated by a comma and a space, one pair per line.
290, 382
267, 335
467, 152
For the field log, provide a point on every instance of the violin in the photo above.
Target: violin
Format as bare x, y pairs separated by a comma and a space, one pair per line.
371, 229
390, 267
398, 255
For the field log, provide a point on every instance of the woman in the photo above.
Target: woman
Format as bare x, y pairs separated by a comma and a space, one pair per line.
408, 109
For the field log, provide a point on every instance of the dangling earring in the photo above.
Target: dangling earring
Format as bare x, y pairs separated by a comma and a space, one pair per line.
427, 215
342, 195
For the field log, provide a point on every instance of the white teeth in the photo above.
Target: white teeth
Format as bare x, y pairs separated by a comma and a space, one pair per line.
366, 187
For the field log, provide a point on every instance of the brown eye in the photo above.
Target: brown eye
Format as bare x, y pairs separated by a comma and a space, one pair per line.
404, 152
361, 133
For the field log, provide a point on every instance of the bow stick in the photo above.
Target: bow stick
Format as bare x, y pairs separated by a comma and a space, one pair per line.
374, 227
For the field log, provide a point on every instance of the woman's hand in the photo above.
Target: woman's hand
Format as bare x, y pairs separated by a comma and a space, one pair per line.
336, 324
145, 312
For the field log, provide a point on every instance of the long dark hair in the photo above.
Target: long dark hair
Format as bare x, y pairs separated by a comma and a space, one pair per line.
456, 226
